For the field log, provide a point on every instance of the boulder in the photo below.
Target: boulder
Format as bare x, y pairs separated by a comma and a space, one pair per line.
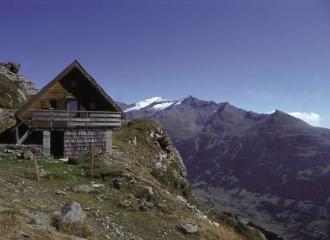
72, 212
74, 160
13, 67
188, 228
27, 154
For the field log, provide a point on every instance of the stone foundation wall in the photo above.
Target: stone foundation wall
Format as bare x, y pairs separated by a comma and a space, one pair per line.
37, 150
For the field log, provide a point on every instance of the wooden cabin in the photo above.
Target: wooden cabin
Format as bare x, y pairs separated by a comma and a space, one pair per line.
74, 113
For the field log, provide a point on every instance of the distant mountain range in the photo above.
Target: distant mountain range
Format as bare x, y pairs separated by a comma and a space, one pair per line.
229, 148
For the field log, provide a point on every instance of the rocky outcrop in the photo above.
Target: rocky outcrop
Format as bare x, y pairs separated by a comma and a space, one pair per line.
7, 115
155, 137
15, 90
12, 67
168, 153
10, 70
28, 87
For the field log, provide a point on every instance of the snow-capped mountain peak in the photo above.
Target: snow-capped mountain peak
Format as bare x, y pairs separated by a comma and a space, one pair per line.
155, 103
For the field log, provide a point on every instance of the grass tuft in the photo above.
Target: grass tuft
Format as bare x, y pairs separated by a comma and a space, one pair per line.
33, 176
78, 229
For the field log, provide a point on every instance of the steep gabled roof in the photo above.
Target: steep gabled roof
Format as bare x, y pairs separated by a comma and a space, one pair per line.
67, 70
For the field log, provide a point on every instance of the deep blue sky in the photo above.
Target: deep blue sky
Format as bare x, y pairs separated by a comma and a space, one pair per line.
258, 55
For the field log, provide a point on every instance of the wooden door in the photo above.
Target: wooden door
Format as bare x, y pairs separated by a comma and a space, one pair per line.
73, 107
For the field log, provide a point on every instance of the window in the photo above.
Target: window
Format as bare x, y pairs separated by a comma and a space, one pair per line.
49, 104
53, 104
73, 83
92, 106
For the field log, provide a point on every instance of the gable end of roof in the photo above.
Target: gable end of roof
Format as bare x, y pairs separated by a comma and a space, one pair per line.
74, 64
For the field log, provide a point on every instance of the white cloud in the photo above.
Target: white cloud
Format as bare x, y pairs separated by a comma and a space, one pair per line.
311, 118
269, 112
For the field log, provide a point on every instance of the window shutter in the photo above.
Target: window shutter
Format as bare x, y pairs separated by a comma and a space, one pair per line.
45, 104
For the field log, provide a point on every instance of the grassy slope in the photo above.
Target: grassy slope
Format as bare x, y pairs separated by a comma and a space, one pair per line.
124, 207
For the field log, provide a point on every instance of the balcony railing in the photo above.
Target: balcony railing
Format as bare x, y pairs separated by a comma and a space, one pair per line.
40, 119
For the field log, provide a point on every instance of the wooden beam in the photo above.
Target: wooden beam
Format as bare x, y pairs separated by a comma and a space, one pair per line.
104, 115
20, 141
92, 124
104, 120
94, 120
48, 119
48, 114
17, 135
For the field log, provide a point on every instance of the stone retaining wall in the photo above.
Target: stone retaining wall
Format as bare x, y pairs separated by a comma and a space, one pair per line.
17, 150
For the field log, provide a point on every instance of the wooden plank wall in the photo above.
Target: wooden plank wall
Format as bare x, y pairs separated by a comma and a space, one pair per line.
77, 142
56, 92
84, 93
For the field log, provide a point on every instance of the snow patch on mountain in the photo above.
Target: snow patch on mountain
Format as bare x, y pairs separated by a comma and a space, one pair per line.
179, 101
142, 104
161, 106
155, 103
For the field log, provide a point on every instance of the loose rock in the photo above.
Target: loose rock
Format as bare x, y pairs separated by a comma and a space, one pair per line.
27, 154
97, 185
188, 227
72, 212
62, 193
74, 160
83, 188
24, 234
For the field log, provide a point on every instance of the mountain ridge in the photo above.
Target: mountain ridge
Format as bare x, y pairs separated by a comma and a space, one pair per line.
273, 154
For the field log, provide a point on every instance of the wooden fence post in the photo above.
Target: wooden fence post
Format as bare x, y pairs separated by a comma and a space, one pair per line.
133, 161
35, 161
92, 163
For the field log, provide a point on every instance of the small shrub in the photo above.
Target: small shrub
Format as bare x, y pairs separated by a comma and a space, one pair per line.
111, 173
51, 176
57, 223
268, 234
144, 193
174, 165
174, 184
33, 175
116, 184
